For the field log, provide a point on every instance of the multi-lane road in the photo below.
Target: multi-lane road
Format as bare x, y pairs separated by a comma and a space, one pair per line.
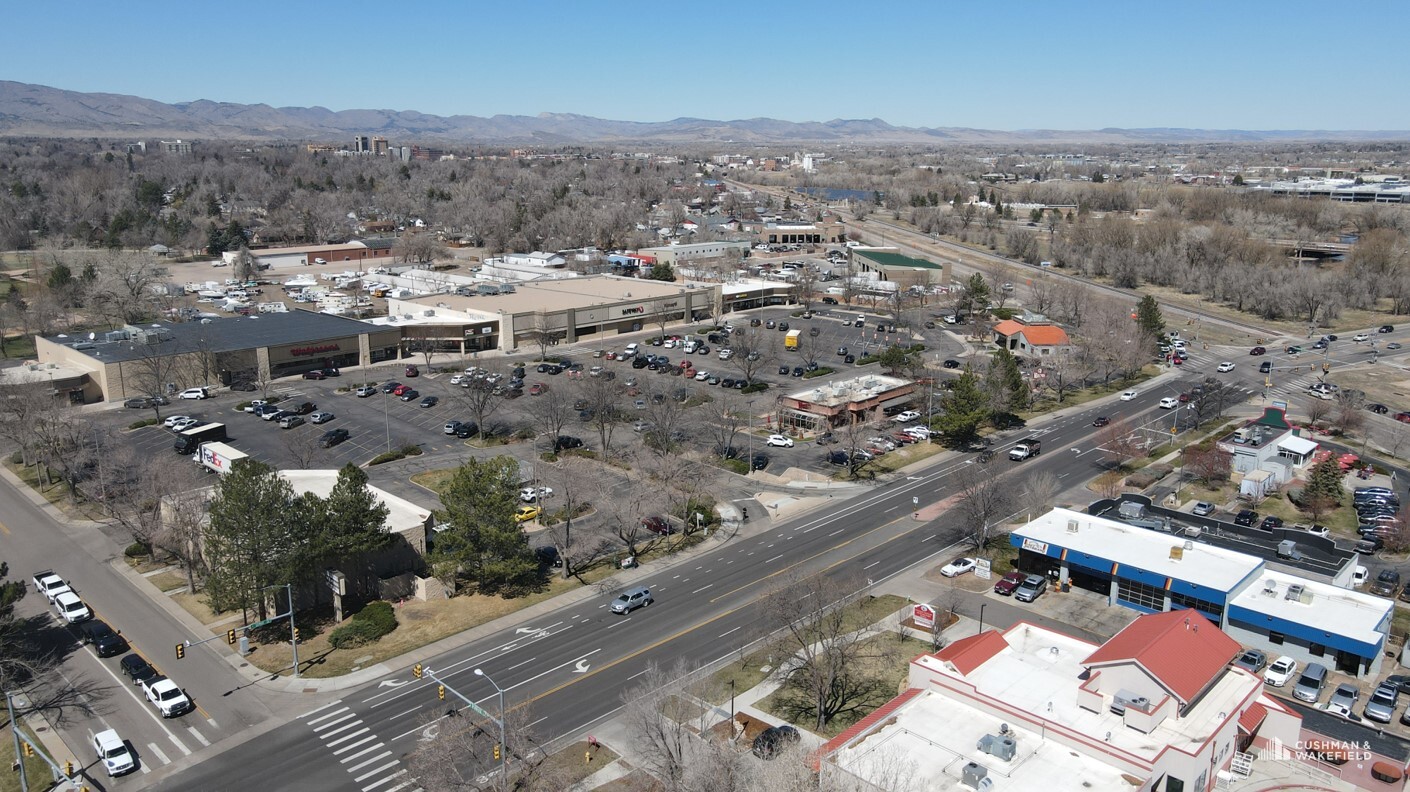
569, 669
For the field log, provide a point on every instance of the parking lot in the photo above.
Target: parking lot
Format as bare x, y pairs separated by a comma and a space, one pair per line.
381, 422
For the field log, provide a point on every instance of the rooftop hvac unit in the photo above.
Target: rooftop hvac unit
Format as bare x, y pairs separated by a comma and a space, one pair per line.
1125, 698
973, 774
1001, 746
1294, 592
1270, 588
1072, 526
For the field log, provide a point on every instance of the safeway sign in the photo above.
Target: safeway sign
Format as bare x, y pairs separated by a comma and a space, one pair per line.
924, 616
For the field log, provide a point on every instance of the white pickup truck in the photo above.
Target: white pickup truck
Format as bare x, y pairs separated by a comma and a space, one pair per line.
71, 609
50, 584
168, 698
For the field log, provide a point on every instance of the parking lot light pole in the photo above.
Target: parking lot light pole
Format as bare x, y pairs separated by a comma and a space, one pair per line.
386, 420
750, 433
503, 749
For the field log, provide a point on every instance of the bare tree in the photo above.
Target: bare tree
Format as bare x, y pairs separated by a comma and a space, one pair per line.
481, 399
661, 719
457, 753
551, 410
1039, 492
804, 289
1120, 443
603, 399
753, 349
725, 418
301, 443
824, 671
418, 248
423, 338
984, 500
576, 483
1317, 409
542, 335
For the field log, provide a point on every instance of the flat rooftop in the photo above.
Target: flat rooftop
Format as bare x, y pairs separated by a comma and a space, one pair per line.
935, 736
1147, 550
1040, 672
885, 259
222, 334
848, 391
551, 296
1321, 605
402, 514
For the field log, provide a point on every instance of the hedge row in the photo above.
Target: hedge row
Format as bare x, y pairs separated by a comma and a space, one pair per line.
400, 453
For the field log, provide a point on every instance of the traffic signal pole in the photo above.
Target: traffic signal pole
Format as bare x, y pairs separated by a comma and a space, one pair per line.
501, 751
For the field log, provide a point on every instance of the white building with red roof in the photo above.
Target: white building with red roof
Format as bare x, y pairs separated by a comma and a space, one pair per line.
1156, 708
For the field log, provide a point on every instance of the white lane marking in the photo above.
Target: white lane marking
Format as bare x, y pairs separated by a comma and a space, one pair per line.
516, 665
836, 532
361, 765
369, 749
408, 712
197, 735
343, 728
634, 676
347, 737
370, 773
723, 634
325, 717
869, 566
365, 740
158, 752
141, 702
619, 621
697, 591
322, 708
775, 558
212, 722
388, 779
348, 717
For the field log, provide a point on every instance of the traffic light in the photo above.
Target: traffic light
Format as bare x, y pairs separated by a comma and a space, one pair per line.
181, 651
296, 635
1326, 366
68, 768
230, 636
416, 670
496, 752
28, 749
441, 692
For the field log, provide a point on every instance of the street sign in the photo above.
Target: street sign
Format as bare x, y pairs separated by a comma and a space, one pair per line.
259, 624
983, 568
337, 581
924, 616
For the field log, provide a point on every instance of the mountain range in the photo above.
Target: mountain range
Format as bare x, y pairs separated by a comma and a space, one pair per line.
42, 111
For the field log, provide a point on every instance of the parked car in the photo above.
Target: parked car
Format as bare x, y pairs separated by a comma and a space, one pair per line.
1270, 522
332, 437
780, 441
410, 394
1282, 670
773, 740
1203, 509
1008, 583
1246, 517
1031, 588
316, 374
1387, 583
1251, 661
526, 513
535, 494
958, 567
430, 401
321, 417
365, 391
1343, 699
412, 371
194, 393
290, 421
1380, 707
759, 461
166, 696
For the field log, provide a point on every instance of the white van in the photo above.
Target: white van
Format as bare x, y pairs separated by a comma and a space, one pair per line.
690, 346
630, 350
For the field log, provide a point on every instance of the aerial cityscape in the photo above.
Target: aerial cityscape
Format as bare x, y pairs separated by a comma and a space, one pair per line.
971, 399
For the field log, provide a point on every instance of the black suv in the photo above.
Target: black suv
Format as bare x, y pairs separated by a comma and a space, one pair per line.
1270, 522
1246, 517
566, 442
332, 437
105, 641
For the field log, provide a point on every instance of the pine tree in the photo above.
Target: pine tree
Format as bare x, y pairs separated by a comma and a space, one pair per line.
1324, 481
482, 542
1148, 317
965, 408
254, 538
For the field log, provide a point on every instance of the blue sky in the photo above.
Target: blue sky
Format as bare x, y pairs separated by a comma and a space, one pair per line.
1014, 65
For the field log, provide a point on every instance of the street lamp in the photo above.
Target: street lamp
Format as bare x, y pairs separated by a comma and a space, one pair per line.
750, 434
503, 749
981, 616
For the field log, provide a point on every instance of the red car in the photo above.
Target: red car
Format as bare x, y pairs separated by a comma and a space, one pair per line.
1008, 583
537, 388
412, 371
1403, 417
400, 389
1178, 361
1257, 351
1184, 397
314, 375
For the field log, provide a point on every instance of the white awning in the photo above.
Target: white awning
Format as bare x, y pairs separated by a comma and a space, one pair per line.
1300, 446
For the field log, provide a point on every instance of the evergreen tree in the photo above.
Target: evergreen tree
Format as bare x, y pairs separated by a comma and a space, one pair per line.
1148, 317
896, 359
661, 271
482, 542
254, 538
1324, 482
1004, 381
976, 293
965, 408
352, 521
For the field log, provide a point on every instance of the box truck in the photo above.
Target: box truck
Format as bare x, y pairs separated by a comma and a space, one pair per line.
188, 441
218, 456
790, 341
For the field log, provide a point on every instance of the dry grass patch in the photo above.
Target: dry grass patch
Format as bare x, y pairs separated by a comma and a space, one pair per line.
635, 781
168, 581
571, 765
56, 493
434, 480
195, 604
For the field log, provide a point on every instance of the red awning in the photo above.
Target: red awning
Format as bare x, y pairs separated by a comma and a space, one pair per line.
1252, 718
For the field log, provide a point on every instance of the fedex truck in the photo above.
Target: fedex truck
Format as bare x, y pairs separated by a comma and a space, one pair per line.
218, 457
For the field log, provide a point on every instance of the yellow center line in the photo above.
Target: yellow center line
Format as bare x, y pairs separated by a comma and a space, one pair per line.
5, 529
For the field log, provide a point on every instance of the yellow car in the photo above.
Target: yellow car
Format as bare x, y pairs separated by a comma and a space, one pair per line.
527, 513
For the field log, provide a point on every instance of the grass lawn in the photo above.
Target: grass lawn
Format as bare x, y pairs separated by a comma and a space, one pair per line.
56, 493
635, 781
36, 771
571, 765
885, 658
1341, 520
752, 669
19, 347
168, 581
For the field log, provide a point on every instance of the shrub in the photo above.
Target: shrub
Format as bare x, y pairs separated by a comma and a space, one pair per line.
735, 466
411, 450
241, 406
367, 625
142, 423
137, 550
755, 387
821, 371
862, 361
17, 458
389, 456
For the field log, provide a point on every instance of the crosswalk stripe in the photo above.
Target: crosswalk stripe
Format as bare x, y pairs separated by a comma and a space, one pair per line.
344, 727
370, 773
364, 751
324, 707
197, 735
369, 738
386, 780
347, 737
377, 758
159, 753
348, 716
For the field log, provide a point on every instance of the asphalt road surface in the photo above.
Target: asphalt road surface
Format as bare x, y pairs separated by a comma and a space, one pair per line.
570, 669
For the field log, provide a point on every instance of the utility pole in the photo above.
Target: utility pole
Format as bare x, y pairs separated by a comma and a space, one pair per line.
419, 671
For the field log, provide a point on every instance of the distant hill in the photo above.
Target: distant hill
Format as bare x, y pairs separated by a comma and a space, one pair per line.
52, 112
